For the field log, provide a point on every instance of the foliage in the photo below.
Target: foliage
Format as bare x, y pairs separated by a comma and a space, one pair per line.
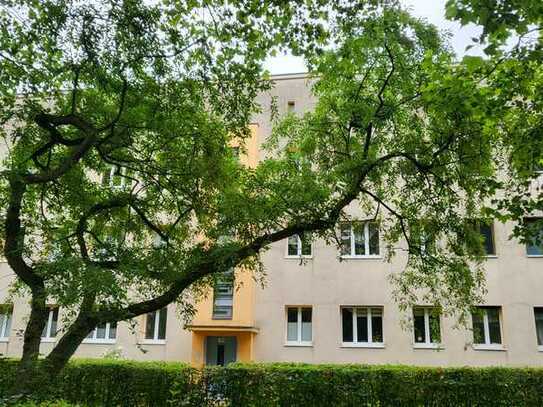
500, 19
107, 383
96, 383
160, 91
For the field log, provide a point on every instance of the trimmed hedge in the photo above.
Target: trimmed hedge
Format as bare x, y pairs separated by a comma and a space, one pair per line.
124, 383
96, 382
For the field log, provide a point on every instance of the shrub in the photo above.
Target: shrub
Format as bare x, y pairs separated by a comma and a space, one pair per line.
358, 385
124, 383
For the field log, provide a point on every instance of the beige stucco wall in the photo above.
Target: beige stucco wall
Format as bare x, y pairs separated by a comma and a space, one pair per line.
514, 282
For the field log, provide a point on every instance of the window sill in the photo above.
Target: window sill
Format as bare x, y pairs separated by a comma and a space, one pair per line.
376, 345
299, 344
48, 340
152, 342
491, 347
427, 346
4, 340
540, 348
354, 257
491, 256
287, 257
99, 341
534, 256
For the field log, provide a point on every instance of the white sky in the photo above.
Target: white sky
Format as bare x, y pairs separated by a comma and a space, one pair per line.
431, 10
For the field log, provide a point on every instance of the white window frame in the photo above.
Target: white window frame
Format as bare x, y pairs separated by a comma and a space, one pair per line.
352, 254
539, 347
370, 343
486, 327
299, 341
112, 173
427, 344
299, 249
155, 340
526, 245
106, 340
49, 325
8, 315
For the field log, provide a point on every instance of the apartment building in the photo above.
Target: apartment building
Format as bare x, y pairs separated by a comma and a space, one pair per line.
321, 309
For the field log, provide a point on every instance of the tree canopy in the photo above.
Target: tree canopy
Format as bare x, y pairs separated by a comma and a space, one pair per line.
120, 191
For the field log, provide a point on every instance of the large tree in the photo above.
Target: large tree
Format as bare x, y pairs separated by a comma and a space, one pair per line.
117, 118
159, 92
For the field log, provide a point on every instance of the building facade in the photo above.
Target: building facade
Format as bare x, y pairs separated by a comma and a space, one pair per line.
321, 309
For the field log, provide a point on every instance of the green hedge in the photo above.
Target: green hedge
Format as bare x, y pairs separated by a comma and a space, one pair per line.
123, 383
110, 382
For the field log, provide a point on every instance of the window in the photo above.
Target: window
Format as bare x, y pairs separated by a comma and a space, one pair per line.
6, 312
155, 325
426, 327
487, 232
50, 329
538, 311
362, 326
105, 332
534, 245
291, 106
359, 239
116, 177
486, 328
297, 246
223, 296
299, 326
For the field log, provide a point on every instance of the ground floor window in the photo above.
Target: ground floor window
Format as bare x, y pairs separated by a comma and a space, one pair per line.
105, 332
538, 311
299, 325
362, 325
487, 326
426, 326
50, 328
155, 325
6, 312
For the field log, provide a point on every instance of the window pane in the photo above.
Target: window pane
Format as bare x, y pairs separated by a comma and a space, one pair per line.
292, 324
293, 245
345, 239
3, 318
539, 325
374, 238
359, 245
535, 246
377, 324
435, 328
101, 331
113, 330
150, 325
488, 238
494, 325
478, 328
362, 324
306, 245
306, 324
91, 334
419, 327
224, 296
54, 323
162, 323
347, 324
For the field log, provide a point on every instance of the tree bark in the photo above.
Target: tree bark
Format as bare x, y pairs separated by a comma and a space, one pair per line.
68, 344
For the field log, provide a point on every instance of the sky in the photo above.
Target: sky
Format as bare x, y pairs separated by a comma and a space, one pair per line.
432, 10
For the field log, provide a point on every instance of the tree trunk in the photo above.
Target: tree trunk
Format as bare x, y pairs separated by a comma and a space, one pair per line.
28, 374
68, 344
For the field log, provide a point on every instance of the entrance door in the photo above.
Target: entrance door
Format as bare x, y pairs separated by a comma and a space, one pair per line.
220, 350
